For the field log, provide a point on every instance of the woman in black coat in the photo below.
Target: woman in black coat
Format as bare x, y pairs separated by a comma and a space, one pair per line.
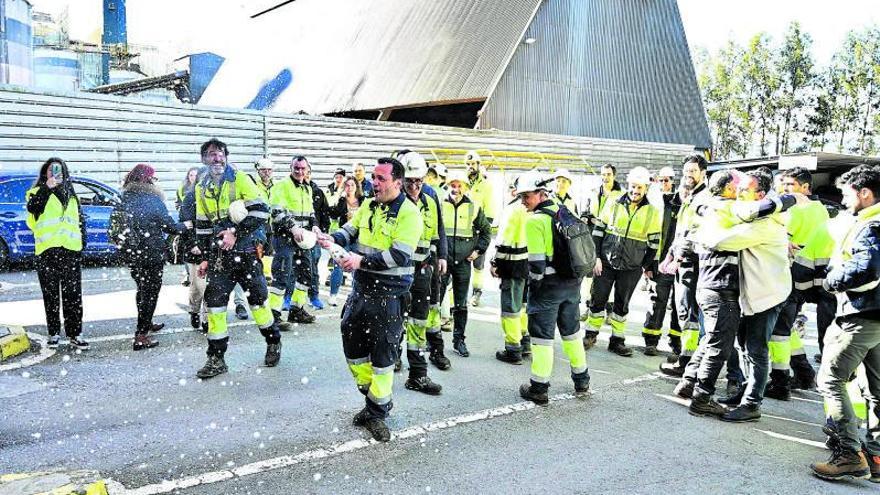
138, 227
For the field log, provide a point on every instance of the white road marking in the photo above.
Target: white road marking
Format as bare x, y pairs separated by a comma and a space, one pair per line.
790, 438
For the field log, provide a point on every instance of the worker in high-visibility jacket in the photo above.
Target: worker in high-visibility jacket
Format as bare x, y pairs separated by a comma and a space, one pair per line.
561, 195
468, 236
430, 257
264, 183
55, 217
292, 210
627, 236
382, 238
808, 233
480, 192
230, 253
854, 341
553, 298
436, 178
609, 190
511, 265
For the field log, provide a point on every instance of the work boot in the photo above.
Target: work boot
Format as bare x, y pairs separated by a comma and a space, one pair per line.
734, 396
874, 465
215, 365
475, 297
298, 314
194, 320
684, 389
241, 312
460, 348
528, 392
675, 344
671, 369
378, 429
143, 341
705, 405
582, 386
439, 359
779, 387
804, 374
526, 344
734, 388
743, 414
650, 350
273, 355
843, 464
423, 384
284, 326
509, 356
589, 341
617, 346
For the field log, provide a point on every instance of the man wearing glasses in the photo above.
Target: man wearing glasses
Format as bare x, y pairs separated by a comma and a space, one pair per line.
663, 287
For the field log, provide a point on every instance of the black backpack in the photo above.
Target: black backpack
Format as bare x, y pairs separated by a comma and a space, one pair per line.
574, 253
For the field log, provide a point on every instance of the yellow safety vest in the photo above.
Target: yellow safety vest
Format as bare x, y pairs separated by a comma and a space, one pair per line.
57, 226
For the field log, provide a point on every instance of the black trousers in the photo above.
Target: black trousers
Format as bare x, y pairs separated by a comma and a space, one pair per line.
459, 274
826, 307
664, 289
417, 320
60, 273
148, 278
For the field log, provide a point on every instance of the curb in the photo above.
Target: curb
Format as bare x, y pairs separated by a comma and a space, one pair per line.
13, 341
56, 482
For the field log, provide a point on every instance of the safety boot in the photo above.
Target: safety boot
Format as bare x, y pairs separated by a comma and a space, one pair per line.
874, 465
617, 346
582, 385
215, 365
439, 359
284, 326
804, 374
528, 392
526, 344
705, 405
475, 297
742, 414
589, 341
423, 384
779, 387
650, 350
843, 464
509, 356
684, 389
298, 314
273, 354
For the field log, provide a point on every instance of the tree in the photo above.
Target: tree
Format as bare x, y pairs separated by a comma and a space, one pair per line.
722, 96
796, 72
824, 110
761, 81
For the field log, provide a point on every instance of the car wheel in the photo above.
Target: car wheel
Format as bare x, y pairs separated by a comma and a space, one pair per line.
4, 255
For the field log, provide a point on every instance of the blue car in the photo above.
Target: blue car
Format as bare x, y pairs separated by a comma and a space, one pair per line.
17, 240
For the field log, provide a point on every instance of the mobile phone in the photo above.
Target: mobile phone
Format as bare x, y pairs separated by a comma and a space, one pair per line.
56, 170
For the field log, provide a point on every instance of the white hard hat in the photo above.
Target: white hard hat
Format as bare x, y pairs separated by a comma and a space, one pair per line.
308, 241
531, 181
264, 163
639, 175
439, 168
666, 172
564, 173
457, 175
472, 156
413, 164
237, 211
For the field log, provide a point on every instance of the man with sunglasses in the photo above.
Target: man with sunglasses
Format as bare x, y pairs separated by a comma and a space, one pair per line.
382, 238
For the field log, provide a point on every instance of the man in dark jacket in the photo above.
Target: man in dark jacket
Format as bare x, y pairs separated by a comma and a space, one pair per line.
322, 215
854, 275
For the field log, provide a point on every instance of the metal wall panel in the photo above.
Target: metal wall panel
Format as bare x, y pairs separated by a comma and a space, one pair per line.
603, 68
104, 136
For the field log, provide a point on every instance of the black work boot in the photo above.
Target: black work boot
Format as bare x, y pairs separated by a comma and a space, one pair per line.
508, 355
529, 391
843, 464
743, 414
215, 365
650, 350
284, 326
423, 384
804, 374
439, 359
298, 314
526, 345
581, 385
273, 354
617, 346
779, 387
675, 368
376, 426
705, 405
684, 389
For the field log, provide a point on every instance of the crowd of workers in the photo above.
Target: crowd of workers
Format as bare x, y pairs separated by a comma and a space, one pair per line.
735, 255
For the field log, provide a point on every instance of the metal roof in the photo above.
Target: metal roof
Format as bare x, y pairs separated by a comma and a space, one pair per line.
380, 53
616, 69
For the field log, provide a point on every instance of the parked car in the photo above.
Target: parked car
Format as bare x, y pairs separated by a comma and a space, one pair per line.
17, 241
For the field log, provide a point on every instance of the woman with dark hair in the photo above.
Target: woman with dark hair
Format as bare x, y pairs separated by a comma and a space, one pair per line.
55, 217
138, 226
349, 200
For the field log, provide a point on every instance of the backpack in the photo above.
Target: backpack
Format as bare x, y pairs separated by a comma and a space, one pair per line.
574, 253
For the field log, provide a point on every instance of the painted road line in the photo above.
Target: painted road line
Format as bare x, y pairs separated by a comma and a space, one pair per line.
811, 443
172, 331
334, 450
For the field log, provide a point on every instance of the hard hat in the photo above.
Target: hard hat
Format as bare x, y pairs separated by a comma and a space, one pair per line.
414, 165
457, 175
263, 164
639, 175
531, 181
439, 168
237, 211
308, 240
472, 156
564, 173
666, 172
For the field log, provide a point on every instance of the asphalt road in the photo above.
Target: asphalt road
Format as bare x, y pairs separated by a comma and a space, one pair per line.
144, 421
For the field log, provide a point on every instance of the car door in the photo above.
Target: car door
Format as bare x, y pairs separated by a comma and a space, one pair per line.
97, 203
16, 235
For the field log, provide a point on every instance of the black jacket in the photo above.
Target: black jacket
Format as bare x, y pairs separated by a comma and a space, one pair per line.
139, 223
322, 209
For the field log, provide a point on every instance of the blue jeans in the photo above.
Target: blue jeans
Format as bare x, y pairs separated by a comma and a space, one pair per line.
753, 336
314, 256
335, 279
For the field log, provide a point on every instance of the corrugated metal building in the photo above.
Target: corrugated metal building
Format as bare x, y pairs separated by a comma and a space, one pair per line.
617, 69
